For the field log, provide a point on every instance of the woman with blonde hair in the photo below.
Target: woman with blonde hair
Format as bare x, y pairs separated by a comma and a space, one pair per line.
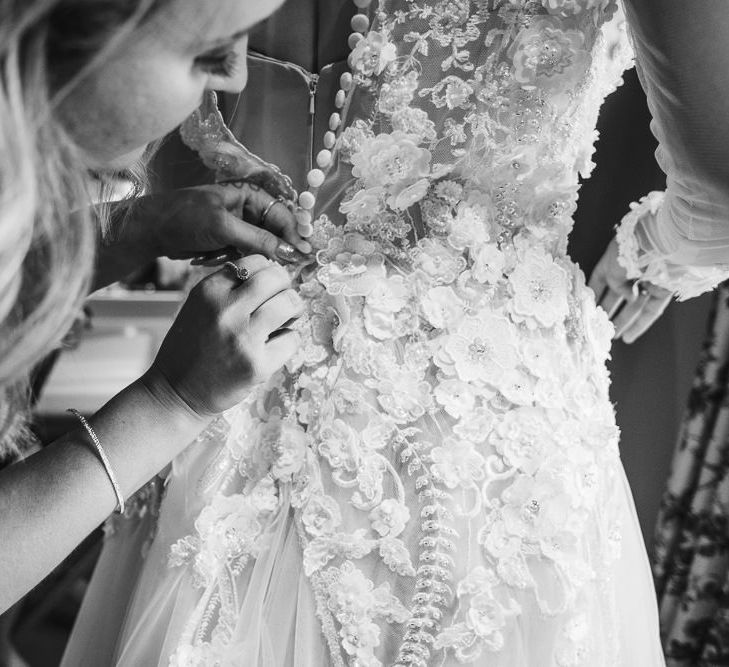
85, 87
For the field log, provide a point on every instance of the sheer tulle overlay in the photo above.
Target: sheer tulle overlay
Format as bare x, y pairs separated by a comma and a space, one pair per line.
435, 478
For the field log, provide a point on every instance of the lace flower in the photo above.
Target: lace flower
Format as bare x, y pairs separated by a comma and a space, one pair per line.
365, 204
339, 444
404, 395
524, 437
442, 307
353, 138
457, 463
227, 532
372, 54
397, 94
540, 289
536, 508
488, 263
480, 349
437, 261
321, 516
389, 518
487, 608
350, 265
355, 602
386, 299
457, 397
414, 122
393, 161
546, 56
470, 226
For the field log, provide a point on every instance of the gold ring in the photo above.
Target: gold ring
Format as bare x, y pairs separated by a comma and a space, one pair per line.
241, 273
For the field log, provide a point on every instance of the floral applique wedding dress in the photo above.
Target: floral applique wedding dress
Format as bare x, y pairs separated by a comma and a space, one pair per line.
435, 478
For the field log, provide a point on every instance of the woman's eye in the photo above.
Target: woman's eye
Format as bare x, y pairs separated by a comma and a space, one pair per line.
219, 64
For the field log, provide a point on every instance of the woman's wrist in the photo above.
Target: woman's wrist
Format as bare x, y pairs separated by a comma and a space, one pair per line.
160, 392
644, 263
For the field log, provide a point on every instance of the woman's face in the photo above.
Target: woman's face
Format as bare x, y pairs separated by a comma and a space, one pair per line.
148, 86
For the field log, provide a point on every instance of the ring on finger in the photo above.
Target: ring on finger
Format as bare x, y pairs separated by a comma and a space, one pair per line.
241, 272
268, 208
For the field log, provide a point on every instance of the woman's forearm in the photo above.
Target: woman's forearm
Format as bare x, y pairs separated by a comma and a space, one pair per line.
51, 501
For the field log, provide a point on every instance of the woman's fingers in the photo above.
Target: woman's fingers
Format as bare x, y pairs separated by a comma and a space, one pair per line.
278, 312
216, 349
612, 302
267, 212
260, 286
651, 311
227, 278
282, 346
629, 314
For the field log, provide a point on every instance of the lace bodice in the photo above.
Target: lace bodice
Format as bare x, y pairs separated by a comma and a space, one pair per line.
443, 444
444, 436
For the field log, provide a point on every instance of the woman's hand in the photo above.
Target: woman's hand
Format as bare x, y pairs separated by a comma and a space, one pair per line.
631, 311
227, 337
214, 221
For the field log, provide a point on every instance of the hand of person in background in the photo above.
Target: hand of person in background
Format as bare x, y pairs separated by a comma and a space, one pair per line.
217, 222
632, 308
230, 334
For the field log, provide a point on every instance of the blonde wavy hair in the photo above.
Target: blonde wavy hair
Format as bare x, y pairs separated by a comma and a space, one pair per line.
47, 233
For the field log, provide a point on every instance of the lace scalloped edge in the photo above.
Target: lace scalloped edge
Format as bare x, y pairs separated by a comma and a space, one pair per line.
684, 281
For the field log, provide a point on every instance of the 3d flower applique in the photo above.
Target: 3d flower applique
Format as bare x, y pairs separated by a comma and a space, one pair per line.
403, 394
486, 609
396, 94
364, 205
355, 603
339, 444
414, 122
547, 56
389, 518
227, 533
458, 398
456, 463
540, 287
350, 265
438, 262
396, 162
442, 307
372, 54
321, 516
383, 308
525, 438
352, 138
488, 263
481, 349
470, 226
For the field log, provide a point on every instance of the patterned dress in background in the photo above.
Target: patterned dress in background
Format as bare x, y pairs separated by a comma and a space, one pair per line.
691, 564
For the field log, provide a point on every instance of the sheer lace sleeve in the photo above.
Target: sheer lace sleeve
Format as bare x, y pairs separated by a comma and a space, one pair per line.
680, 239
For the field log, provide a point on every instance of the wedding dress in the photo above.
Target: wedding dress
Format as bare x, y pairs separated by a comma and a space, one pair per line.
434, 479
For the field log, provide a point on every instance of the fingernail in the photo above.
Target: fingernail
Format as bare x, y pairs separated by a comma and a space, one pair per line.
287, 253
304, 246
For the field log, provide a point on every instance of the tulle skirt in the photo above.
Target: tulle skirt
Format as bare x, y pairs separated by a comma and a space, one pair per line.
138, 607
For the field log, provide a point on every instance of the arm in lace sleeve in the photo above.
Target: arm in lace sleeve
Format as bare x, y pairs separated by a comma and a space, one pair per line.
681, 240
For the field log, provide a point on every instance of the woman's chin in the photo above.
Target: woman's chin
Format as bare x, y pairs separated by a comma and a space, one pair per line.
121, 162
